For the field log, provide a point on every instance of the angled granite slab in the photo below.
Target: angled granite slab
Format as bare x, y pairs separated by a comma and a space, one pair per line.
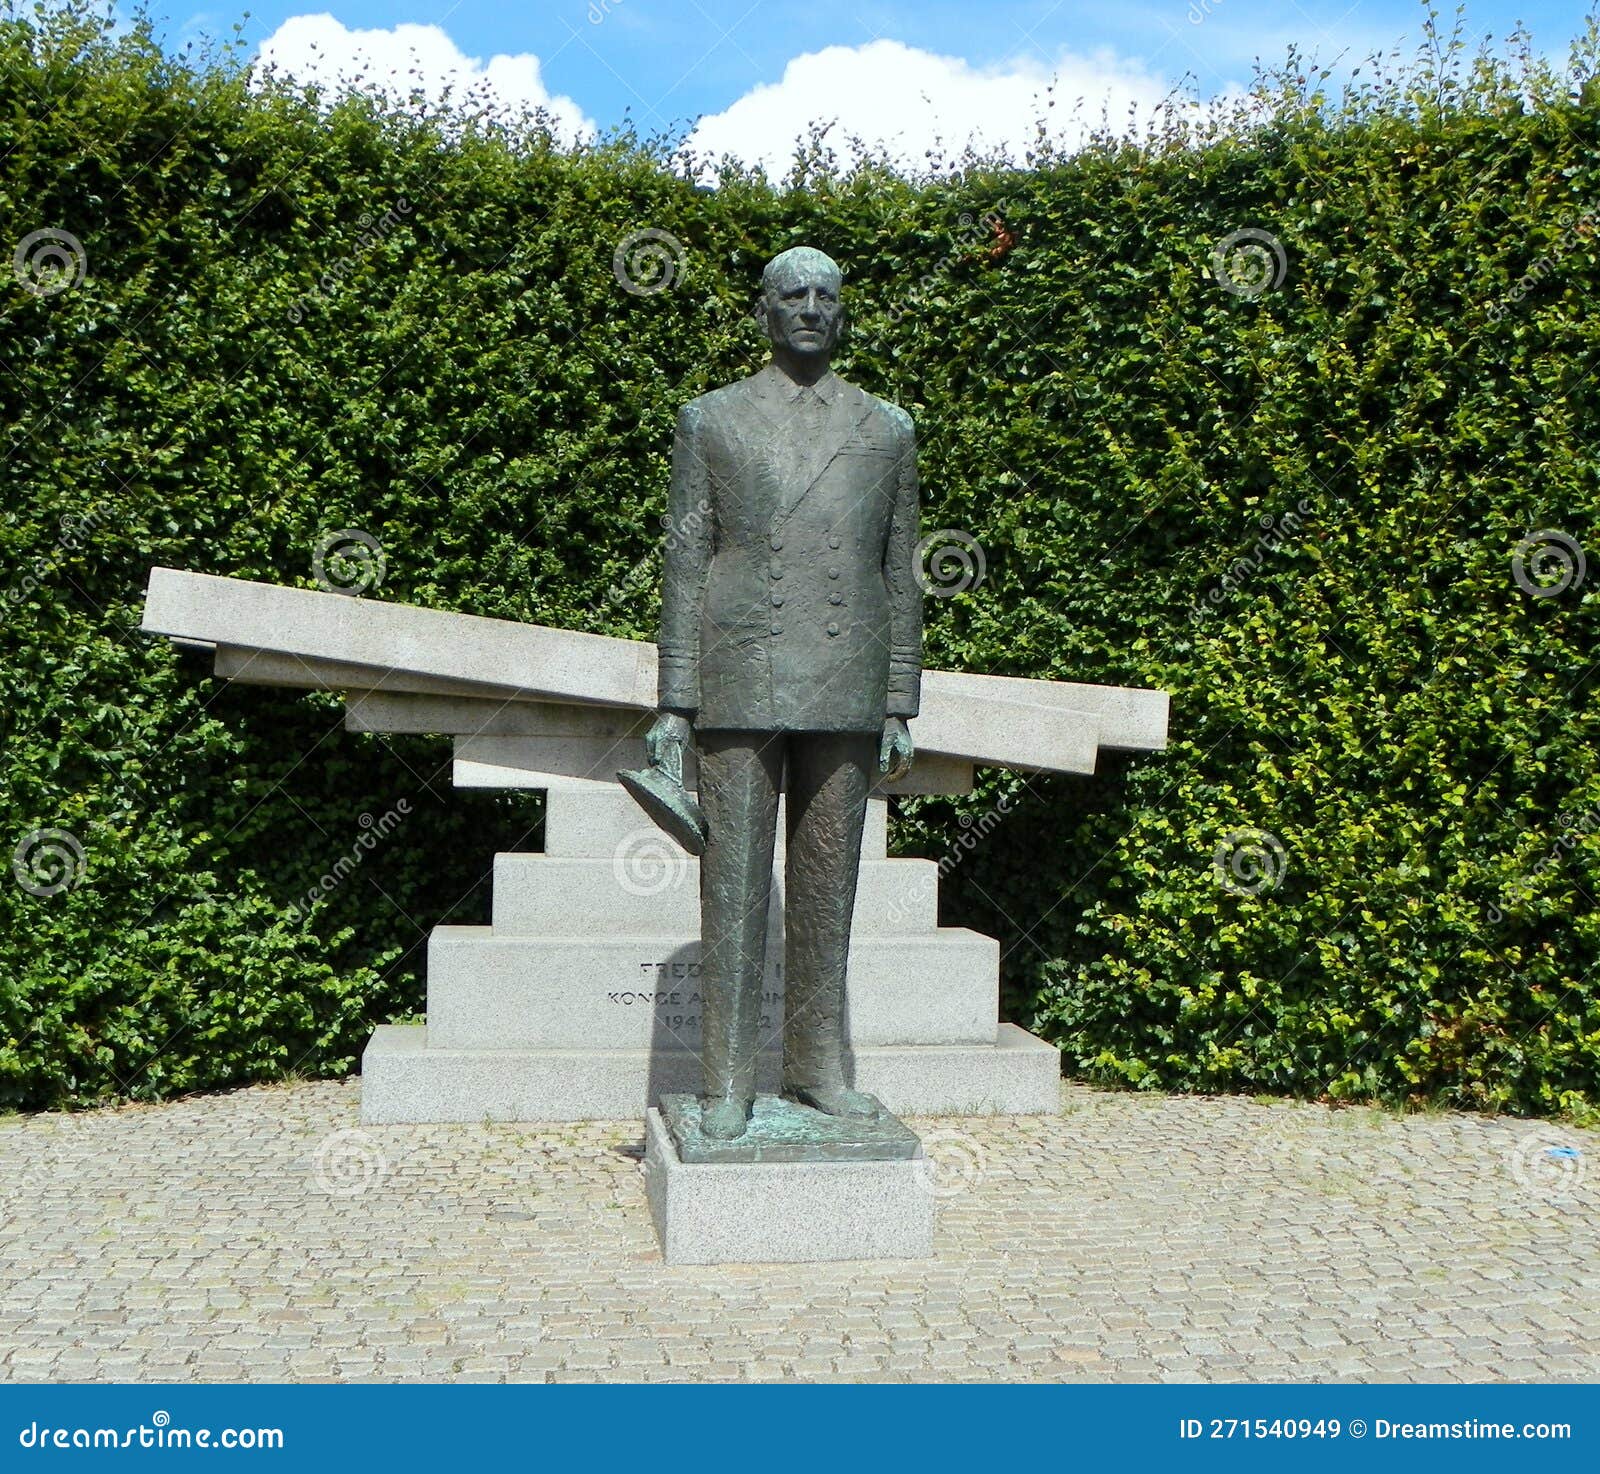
277, 635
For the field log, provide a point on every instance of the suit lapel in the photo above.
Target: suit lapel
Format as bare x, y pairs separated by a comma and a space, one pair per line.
796, 460
759, 446
849, 408
759, 391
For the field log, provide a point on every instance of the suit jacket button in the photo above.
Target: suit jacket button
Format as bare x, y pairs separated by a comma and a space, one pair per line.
833, 542
777, 629
833, 573
833, 629
836, 598
777, 601
775, 541
775, 568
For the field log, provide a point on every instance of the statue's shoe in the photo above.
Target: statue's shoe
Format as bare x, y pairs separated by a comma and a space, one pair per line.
832, 1100
724, 1120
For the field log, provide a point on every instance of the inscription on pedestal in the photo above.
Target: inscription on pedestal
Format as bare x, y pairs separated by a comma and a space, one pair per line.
666, 1004
678, 1009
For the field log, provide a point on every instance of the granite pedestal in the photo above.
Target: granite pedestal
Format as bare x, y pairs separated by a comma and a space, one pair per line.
784, 1211
581, 1001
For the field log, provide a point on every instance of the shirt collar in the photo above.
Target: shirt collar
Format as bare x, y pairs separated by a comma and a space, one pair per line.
783, 387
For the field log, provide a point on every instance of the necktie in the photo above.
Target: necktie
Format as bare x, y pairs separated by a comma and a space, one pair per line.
812, 410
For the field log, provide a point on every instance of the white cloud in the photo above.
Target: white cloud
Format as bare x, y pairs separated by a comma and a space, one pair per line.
912, 100
318, 48
886, 93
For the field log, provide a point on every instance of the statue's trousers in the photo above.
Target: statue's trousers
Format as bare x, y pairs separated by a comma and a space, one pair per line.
829, 777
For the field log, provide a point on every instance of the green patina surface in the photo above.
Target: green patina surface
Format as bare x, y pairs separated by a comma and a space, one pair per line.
785, 1131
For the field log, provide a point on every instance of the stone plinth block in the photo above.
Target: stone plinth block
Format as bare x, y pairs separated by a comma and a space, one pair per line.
650, 887
784, 1212
476, 716
490, 991
591, 821
406, 1079
498, 761
1017, 1075
545, 762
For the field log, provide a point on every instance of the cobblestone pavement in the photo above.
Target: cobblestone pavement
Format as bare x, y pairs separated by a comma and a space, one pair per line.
266, 1235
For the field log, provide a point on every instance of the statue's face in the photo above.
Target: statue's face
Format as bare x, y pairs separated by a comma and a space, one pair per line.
803, 312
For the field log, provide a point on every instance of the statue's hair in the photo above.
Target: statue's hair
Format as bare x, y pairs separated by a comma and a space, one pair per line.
799, 258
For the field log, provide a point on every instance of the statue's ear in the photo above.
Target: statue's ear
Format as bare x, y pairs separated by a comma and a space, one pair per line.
759, 311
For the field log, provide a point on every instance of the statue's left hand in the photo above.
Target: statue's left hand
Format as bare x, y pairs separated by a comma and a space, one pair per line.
667, 741
895, 751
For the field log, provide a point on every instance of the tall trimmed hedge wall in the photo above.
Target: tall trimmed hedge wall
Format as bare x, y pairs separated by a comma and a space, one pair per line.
1366, 866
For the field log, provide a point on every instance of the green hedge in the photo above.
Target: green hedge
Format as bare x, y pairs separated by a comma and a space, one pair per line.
1296, 510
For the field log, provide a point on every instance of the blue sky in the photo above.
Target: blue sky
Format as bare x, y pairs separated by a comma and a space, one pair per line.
904, 70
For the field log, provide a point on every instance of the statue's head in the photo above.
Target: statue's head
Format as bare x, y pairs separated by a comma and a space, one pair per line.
801, 306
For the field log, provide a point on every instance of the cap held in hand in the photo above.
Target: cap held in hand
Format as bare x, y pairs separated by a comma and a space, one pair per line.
668, 803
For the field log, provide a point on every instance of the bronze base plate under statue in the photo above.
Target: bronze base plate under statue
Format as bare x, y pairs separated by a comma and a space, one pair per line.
783, 1130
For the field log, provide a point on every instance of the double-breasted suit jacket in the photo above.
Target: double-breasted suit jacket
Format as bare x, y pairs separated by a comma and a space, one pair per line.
789, 599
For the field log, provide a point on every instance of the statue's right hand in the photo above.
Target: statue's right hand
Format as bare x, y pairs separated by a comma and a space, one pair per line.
667, 740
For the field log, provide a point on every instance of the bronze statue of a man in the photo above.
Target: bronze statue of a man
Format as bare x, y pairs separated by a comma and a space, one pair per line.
791, 635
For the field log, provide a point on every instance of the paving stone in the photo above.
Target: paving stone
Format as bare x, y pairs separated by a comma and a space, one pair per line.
1132, 1238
